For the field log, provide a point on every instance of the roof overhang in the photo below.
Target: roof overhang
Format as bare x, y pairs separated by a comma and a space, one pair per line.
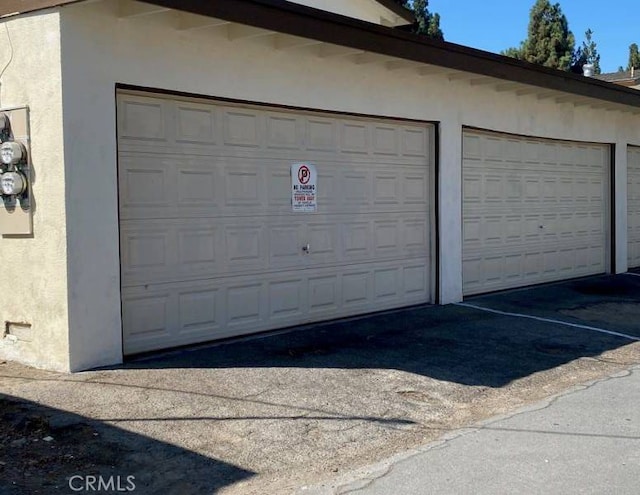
627, 82
298, 20
14, 7
306, 22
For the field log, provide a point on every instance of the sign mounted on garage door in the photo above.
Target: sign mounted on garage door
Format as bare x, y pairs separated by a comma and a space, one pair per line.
211, 246
534, 210
633, 206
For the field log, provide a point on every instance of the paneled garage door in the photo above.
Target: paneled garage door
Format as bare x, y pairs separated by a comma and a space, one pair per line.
633, 205
210, 247
533, 210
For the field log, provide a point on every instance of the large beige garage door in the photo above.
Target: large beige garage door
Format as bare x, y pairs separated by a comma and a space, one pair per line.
633, 205
533, 210
210, 247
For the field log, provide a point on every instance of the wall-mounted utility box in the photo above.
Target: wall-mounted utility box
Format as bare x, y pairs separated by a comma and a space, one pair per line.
16, 210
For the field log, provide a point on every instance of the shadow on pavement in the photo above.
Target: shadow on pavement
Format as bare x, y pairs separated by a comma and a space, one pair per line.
42, 449
450, 343
608, 302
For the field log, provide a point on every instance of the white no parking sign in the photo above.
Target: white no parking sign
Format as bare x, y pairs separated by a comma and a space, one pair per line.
304, 190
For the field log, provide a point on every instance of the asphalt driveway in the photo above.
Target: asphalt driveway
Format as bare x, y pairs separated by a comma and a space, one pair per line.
272, 414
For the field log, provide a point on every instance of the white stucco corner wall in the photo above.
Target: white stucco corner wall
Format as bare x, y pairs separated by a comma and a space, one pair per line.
100, 50
88, 94
35, 281
450, 210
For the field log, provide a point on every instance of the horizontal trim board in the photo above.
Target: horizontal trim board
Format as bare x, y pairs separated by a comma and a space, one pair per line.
148, 91
491, 132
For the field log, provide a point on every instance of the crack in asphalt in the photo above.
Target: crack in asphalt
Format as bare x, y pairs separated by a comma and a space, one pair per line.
328, 414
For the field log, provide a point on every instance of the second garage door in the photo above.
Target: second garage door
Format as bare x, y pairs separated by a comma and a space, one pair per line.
633, 205
210, 246
534, 210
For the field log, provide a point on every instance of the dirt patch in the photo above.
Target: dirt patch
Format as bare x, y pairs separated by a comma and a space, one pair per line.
34, 452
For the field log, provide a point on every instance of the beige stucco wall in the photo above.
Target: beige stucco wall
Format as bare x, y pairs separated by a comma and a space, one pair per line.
34, 272
99, 50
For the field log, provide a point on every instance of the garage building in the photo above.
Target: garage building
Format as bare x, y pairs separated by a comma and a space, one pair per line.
161, 140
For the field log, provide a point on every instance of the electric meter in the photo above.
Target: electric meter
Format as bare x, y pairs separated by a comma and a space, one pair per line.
13, 183
12, 153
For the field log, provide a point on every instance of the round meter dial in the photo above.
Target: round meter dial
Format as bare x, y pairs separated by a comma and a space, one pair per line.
13, 183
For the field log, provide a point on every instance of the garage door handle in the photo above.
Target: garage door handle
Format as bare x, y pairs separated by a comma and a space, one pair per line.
306, 248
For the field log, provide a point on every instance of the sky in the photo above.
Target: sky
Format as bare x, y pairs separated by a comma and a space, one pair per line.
494, 25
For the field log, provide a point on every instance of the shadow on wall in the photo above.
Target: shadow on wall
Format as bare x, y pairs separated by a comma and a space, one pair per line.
450, 343
44, 449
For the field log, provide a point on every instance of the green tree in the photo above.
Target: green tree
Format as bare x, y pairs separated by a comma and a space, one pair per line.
427, 23
549, 41
513, 53
634, 57
587, 54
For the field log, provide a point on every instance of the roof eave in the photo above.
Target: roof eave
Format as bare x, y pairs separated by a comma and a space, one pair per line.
302, 21
299, 20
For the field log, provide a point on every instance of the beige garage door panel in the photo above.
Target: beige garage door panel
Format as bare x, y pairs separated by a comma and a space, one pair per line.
187, 312
167, 250
210, 247
633, 205
533, 211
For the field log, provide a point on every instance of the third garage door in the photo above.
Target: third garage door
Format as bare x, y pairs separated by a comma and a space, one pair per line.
633, 205
210, 245
534, 210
